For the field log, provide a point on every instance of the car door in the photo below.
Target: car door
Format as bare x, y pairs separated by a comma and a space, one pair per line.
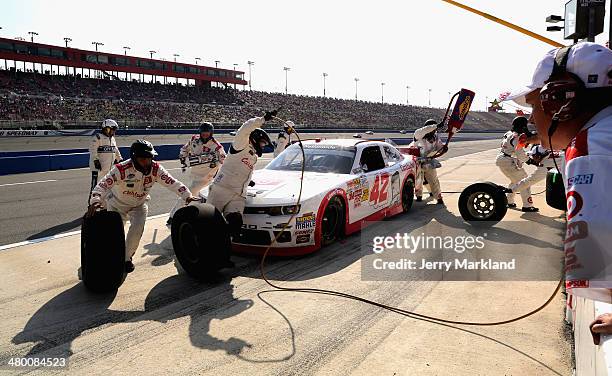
392, 159
374, 166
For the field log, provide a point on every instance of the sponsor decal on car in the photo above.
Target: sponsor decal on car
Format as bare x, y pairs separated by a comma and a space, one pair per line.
580, 179
358, 191
305, 221
301, 239
304, 232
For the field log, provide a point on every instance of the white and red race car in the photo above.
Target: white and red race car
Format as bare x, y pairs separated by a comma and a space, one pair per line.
346, 183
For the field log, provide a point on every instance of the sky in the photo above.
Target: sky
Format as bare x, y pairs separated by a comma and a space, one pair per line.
425, 44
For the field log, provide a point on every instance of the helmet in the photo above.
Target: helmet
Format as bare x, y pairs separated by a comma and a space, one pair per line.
256, 137
143, 149
519, 125
110, 123
431, 122
207, 127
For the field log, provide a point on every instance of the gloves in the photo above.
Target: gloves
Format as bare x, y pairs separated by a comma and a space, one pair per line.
270, 114
183, 164
97, 164
116, 161
288, 128
251, 183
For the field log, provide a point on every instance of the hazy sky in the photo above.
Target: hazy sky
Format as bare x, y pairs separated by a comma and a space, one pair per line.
422, 44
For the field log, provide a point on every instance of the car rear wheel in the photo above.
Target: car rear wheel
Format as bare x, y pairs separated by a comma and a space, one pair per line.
407, 195
332, 222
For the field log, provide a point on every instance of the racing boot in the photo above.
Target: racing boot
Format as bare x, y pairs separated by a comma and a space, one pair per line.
419, 198
129, 266
529, 209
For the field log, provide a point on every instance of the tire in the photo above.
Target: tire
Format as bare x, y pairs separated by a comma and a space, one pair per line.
407, 195
103, 252
555, 190
201, 240
483, 204
332, 222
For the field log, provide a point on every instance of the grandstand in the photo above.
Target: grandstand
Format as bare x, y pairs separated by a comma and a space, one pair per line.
35, 100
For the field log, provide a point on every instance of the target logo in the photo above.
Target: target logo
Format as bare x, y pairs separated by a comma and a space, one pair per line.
574, 204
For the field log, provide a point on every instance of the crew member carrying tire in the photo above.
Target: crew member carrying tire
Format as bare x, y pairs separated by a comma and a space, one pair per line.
103, 151
228, 190
125, 190
430, 147
205, 156
510, 162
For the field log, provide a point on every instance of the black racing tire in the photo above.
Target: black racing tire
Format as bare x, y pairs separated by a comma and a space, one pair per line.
407, 195
555, 190
103, 252
332, 222
483, 204
201, 240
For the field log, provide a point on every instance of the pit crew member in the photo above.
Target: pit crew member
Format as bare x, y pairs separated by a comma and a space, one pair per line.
430, 146
103, 151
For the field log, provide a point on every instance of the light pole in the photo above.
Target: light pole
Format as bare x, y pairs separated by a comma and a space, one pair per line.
175, 56
356, 80
286, 69
32, 33
217, 62
197, 59
382, 92
324, 76
97, 44
151, 53
66, 39
250, 65
429, 97
125, 50
407, 95
235, 64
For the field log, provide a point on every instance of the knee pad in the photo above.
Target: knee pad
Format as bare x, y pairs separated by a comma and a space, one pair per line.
234, 221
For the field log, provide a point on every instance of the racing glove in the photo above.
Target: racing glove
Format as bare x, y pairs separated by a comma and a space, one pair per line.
288, 128
251, 183
270, 114
183, 164
97, 164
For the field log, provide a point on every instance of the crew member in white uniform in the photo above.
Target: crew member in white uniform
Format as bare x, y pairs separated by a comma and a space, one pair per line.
228, 191
125, 190
103, 151
543, 160
510, 161
571, 98
204, 155
429, 144
283, 140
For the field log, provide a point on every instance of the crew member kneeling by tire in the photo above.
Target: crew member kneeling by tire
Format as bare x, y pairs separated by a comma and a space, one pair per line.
228, 190
125, 190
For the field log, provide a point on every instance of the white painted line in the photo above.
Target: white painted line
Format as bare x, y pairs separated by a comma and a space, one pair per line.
28, 182
58, 236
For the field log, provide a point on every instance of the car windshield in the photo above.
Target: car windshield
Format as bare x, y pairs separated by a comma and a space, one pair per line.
319, 158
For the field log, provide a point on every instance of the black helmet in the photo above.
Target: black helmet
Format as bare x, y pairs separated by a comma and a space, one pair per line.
519, 125
256, 137
207, 127
431, 122
143, 149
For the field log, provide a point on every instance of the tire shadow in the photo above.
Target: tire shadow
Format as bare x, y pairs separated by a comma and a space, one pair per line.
58, 229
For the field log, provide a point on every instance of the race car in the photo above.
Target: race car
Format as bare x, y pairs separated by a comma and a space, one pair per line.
347, 182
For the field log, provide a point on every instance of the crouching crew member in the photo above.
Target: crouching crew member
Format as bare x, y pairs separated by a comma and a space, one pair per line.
125, 190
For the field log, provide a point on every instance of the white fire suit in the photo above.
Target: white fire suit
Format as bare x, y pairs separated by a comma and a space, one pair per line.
539, 174
281, 143
204, 159
126, 191
428, 166
228, 190
588, 178
103, 149
510, 162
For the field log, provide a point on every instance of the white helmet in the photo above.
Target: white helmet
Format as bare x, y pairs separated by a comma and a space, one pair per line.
110, 123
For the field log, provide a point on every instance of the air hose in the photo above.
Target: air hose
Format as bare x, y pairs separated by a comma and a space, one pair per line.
397, 310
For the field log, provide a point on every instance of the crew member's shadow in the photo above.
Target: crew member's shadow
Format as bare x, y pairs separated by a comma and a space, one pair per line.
63, 318
163, 250
58, 229
203, 302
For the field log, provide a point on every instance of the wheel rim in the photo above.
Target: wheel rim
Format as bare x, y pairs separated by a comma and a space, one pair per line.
189, 242
329, 223
481, 205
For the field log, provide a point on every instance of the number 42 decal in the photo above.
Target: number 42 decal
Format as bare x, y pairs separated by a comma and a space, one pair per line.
378, 193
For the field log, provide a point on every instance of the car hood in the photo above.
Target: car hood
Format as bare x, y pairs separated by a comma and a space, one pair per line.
274, 187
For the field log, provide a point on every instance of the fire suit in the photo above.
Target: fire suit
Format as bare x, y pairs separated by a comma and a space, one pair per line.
588, 255
228, 191
126, 191
428, 149
204, 159
542, 166
510, 162
104, 150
